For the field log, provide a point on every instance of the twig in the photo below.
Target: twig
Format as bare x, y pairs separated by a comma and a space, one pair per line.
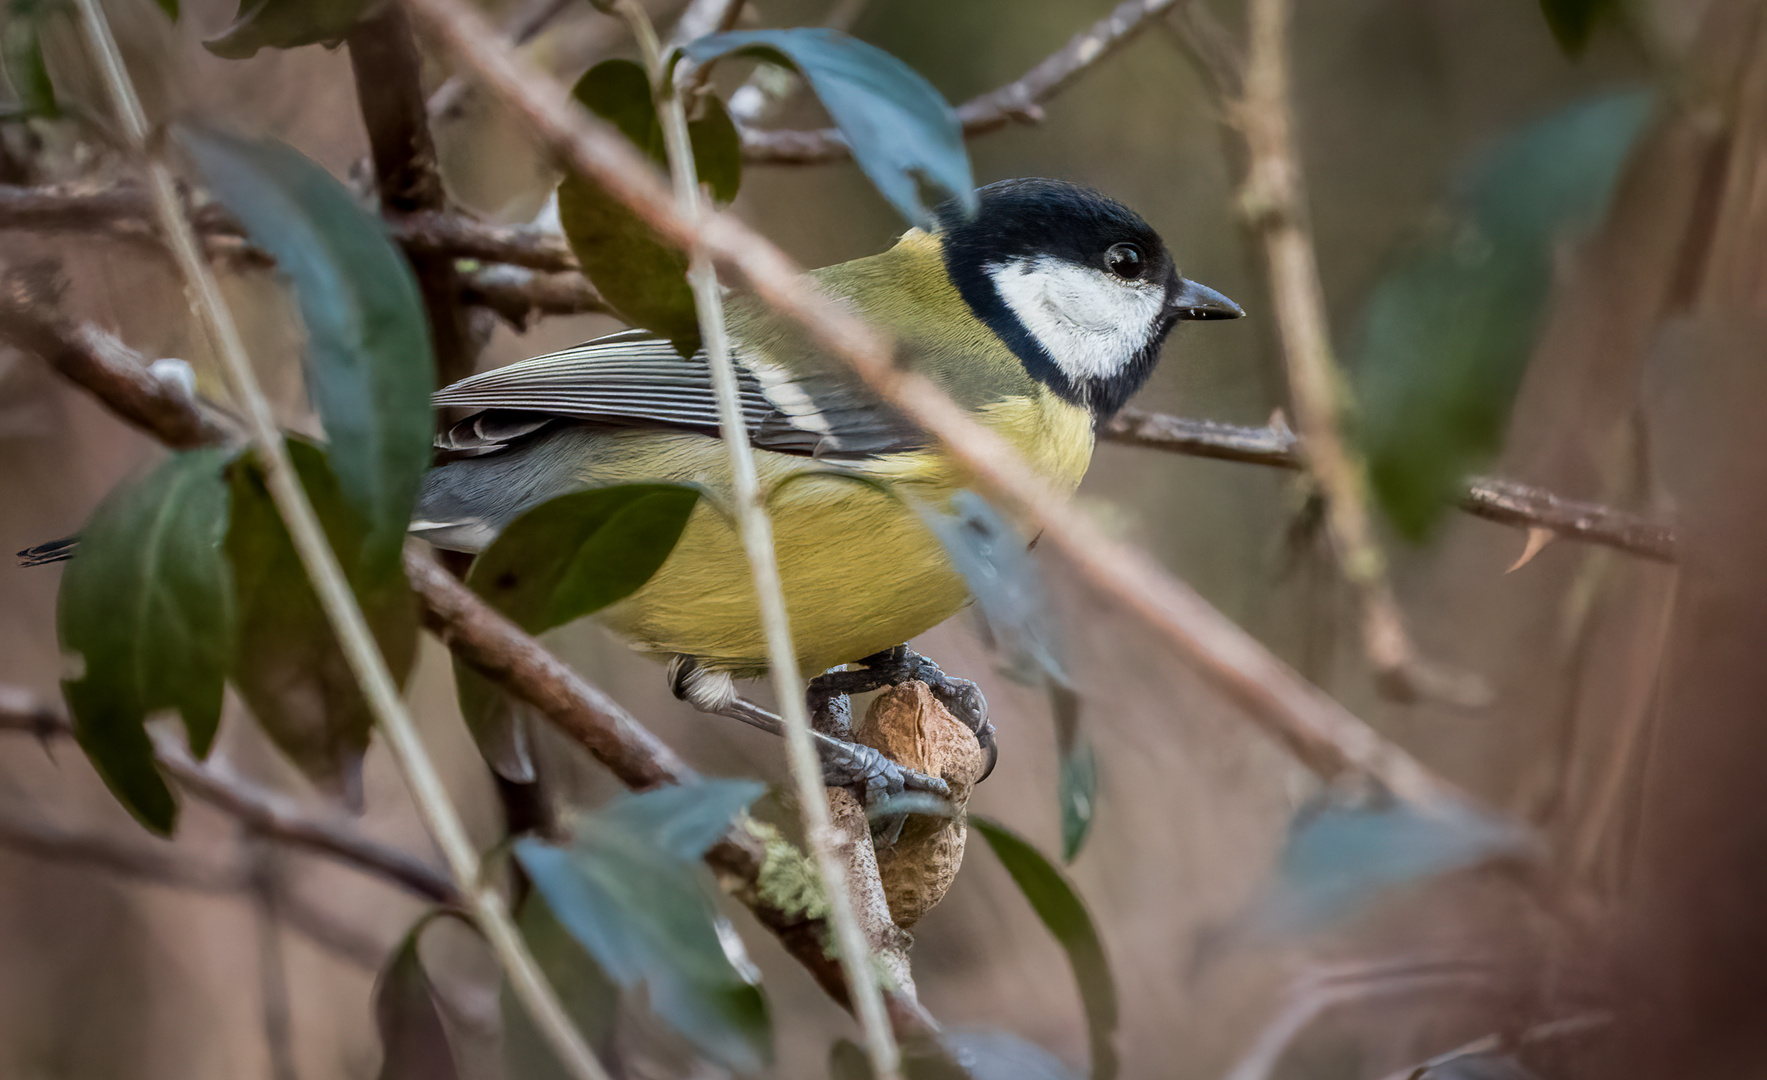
487, 905
31, 319
449, 100
1211, 48
1567, 1027
755, 529
1316, 991
389, 89
463, 238
264, 811
520, 295
1502, 501
1020, 100
1273, 201
1316, 729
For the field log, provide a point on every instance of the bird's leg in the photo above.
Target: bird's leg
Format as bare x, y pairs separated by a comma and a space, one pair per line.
892, 667
844, 763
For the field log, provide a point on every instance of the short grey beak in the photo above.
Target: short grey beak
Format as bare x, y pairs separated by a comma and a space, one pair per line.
1194, 300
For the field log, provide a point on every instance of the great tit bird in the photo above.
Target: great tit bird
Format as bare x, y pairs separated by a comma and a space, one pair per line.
1041, 313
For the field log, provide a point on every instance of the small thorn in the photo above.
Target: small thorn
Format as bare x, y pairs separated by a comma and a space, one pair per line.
1538, 538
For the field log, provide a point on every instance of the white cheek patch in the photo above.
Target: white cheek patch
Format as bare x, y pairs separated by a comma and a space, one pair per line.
1090, 321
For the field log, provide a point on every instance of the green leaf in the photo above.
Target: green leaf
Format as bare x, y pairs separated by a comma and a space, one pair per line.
1573, 22
905, 136
631, 889
170, 7
1058, 904
21, 58
566, 558
369, 365
589, 998
146, 604
1077, 779
288, 666
408, 1012
1341, 854
641, 276
282, 24
1447, 331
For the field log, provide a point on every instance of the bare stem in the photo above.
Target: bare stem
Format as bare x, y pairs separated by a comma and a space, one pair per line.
366, 663
756, 530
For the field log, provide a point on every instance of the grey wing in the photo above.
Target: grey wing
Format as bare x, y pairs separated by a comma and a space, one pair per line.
635, 379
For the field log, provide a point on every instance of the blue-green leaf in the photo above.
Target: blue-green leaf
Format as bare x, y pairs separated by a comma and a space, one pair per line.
631, 889
413, 1035
282, 24
1058, 904
1077, 777
1342, 854
1447, 332
957, 1054
904, 135
287, 664
147, 606
566, 558
21, 58
369, 365
640, 276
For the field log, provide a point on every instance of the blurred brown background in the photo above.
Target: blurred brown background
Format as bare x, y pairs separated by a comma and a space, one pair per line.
104, 977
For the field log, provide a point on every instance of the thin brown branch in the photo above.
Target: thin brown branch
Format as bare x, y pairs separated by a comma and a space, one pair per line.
31, 319
1274, 202
462, 237
1318, 730
276, 816
1019, 100
389, 89
520, 296
1502, 501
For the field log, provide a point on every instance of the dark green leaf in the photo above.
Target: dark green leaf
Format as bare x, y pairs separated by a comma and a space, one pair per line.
288, 666
1574, 21
564, 559
21, 58
573, 555
643, 278
1341, 854
147, 605
282, 24
904, 135
587, 995
170, 7
369, 365
413, 1034
1058, 904
1077, 781
1447, 332
631, 889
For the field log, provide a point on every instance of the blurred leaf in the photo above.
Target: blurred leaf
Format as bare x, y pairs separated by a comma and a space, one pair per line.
288, 666
1574, 21
588, 996
1447, 331
1477, 1067
281, 24
170, 7
1077, 780
641, 276
903, 133
566, 558
413, 1034
631, 889
957, 1054
995, 559
1340, 855
1058, 904
147, 605
21, 58
369, 366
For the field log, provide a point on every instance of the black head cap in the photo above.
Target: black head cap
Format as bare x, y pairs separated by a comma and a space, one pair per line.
1019, 221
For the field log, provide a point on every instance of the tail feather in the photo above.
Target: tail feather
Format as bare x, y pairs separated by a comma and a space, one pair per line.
53, 552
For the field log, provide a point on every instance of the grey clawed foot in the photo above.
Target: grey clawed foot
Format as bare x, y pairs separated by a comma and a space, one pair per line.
894, 666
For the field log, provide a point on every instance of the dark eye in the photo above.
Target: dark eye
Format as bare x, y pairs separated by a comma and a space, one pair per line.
1125, 261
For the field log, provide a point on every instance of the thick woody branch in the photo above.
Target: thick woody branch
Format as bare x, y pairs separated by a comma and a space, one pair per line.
1020, 100
1503, 501
267, 812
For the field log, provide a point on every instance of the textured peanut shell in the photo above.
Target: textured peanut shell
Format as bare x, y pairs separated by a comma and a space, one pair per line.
910, 726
